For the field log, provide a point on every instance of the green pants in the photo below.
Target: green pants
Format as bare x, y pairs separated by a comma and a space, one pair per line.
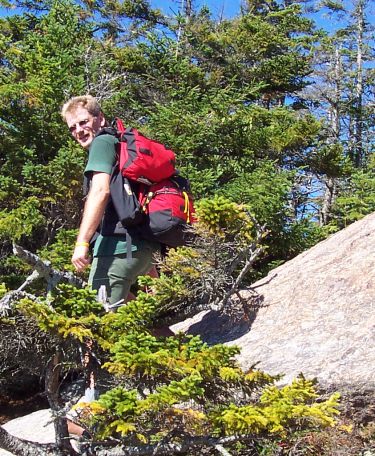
118, 273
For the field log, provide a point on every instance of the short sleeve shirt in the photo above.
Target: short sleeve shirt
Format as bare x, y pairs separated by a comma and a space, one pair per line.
102, 154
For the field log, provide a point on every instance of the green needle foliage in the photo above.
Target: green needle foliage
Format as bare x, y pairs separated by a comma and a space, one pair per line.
177, 387
226, 95
231, 97
356, 199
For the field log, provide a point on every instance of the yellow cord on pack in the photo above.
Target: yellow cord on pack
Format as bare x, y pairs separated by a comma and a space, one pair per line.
187, 206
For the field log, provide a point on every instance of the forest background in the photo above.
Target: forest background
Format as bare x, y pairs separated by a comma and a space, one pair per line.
270, 115
265, 109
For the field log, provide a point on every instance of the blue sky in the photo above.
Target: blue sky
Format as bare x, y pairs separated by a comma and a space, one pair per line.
230, 8
227, 8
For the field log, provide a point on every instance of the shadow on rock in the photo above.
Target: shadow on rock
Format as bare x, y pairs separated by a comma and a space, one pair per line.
230, 323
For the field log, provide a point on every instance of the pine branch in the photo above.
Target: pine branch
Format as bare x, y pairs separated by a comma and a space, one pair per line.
45, 270
42, 268
9, 298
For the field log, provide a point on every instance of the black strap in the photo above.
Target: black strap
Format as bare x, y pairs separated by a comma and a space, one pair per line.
129, 252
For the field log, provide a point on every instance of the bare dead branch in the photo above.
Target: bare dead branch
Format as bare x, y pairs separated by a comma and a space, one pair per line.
187, 444
45, 270
248, 265
13, 296
252, 252
105, 85
222, 450
42, 268
22, 447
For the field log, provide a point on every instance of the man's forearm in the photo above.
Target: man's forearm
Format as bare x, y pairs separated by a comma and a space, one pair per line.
94, 209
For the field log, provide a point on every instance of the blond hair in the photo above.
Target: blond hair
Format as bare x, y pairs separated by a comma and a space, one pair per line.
85, 101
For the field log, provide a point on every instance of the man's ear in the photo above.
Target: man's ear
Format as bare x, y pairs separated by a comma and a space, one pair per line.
102, 119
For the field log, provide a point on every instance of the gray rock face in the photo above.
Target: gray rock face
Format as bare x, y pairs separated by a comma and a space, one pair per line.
36, 427
315, 314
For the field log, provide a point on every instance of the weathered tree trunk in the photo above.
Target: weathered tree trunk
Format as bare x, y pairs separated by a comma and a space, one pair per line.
45, 270
358, 116
334, 115
52, 387
42, 269
21, 447
328, 200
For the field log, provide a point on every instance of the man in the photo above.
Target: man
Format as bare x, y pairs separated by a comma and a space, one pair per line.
111, 266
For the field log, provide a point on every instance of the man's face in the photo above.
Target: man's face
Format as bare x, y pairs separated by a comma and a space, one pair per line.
84, 126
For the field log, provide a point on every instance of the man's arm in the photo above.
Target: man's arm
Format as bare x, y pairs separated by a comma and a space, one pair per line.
93, 212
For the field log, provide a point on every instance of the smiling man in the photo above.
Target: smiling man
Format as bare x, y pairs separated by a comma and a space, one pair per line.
111, 265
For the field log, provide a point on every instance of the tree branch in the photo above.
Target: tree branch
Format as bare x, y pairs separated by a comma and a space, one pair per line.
253, 251
42, 268
222, 450
185, 445
45, 270
15, 295
22, 447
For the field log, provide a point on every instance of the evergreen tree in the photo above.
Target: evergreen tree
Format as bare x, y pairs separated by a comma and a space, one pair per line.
342, 99
230, 97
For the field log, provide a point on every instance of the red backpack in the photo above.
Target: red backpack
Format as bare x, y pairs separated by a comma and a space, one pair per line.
142, 159
169, 209
157, 192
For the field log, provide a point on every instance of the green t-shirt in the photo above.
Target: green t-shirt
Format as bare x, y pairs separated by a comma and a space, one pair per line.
113, 245
102, 156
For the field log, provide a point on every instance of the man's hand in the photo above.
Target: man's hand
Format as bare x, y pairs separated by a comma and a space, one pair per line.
80, 257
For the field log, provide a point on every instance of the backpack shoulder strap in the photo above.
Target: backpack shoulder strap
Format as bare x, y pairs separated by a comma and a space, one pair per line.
107, 131
118, 125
